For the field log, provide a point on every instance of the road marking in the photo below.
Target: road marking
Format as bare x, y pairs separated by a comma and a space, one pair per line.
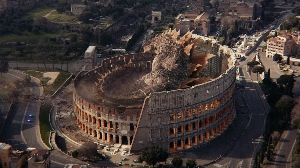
57, 162
22, 135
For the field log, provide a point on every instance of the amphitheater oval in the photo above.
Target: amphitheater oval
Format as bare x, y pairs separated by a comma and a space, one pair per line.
175, 119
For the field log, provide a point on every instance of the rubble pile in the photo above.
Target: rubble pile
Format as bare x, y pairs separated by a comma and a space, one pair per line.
171, 63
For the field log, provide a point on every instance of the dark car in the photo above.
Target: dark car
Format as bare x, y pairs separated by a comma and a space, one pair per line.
30, 118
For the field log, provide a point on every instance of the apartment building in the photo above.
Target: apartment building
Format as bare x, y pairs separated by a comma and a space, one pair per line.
284, 45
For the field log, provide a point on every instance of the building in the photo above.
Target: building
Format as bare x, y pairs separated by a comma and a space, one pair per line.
77, 9
199, 24
90, 58
39, 159
5, 157
130, 103
284, 45
246, 12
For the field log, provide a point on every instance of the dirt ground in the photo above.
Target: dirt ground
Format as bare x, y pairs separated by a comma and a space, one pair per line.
65, 119
52, 75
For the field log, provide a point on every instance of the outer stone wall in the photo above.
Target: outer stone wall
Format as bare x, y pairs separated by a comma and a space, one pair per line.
176, 120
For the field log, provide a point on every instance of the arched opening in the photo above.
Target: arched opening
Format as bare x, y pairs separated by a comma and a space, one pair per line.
117, 125
206, 135
179, 144
124, 140
105, 123
111, 125
111, 138
155, 19
131, 127
172, 146
99, 123
94, 120
180, 130
95, 133
100, 135
200, 138
187, 127
187, 143
105, 136
194, 140
172, 131
117, 139
91, 131
194, 125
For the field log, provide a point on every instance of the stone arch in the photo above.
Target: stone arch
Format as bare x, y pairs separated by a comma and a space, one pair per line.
179, 144
156, 15
187, 143
194, 140
94, 133
172, 147
124, 140
117, 139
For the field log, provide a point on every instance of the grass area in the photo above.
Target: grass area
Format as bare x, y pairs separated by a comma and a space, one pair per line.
61, 78
45, 126
38, 73
26, 36
61, 17
38, 12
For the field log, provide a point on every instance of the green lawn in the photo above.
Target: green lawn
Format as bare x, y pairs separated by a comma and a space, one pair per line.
61, 17
48, 89
26, 36
45, 126
62, 77
38, 12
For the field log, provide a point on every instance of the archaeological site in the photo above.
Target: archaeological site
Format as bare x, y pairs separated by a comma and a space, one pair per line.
178, 93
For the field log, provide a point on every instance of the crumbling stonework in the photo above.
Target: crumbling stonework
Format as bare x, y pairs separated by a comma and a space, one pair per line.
119, 101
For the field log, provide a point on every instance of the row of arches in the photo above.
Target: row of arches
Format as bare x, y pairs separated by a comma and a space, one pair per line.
197, 125
201, 109
194, 140
101, 123
105, 136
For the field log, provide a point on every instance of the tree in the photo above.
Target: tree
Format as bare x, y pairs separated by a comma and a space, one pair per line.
177, 161
191, 163
258, 69
85, 16
88, 150
285, 105
252, 63
3, 66
277, 57
152, 155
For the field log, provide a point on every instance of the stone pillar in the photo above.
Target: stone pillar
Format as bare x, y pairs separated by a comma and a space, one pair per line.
102, 123
115, 126
120, 139
128, 139
114, 138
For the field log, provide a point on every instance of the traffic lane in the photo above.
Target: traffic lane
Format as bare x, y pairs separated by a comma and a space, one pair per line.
31, 125
284, 149
11, 133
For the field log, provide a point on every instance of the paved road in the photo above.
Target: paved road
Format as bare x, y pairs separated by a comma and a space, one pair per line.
283, 151
11, 133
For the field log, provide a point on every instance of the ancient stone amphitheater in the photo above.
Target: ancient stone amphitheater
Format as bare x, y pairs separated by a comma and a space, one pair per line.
178, 93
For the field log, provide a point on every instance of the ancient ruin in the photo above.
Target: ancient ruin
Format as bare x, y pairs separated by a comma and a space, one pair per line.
178, 93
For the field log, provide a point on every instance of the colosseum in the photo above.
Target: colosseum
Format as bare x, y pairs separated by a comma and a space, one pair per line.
178, 93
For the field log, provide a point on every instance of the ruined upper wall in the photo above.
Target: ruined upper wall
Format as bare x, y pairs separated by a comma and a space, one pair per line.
160, 101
